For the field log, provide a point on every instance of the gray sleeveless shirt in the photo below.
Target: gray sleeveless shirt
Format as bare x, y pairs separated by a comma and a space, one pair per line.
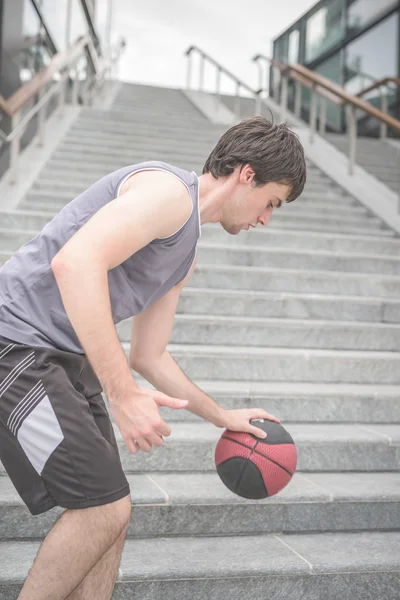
31, 307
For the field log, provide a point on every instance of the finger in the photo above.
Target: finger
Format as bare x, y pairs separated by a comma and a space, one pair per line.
261, 414
258, 432
163, 428
143, 444
164, 400
130, 444
155, 439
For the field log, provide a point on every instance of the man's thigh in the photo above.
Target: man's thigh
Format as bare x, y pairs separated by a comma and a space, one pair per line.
57, 442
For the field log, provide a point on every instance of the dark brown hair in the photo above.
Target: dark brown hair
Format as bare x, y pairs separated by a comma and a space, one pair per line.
273, 151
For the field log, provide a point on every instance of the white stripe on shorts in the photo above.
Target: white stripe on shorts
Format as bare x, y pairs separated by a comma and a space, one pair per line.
36, 394
14, 374
7, 349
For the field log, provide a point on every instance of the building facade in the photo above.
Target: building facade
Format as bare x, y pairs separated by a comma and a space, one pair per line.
32, 32
351, 42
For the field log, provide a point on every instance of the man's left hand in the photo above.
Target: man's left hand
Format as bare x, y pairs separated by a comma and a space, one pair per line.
239, 420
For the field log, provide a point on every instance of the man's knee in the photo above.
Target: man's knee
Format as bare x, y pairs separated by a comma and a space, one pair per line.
121, 510
113, 516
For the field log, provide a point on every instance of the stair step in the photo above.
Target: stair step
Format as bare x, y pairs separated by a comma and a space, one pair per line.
101, 141
171, 129
259, 256
298, 402
185, 504
57, 182
276, 257
329, 186
31, 218
58, 199
328, 565
288, 305
294, 280
320, 447
299, 240
266, 237
286, 364
279, 333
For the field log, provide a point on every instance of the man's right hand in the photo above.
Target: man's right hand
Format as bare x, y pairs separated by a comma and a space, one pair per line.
139, 420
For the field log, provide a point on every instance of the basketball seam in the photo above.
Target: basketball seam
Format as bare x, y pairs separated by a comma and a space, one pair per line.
259, 453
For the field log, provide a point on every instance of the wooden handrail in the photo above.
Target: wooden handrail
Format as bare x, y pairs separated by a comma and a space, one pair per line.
336, 94
25, 93
321, 91
378, 84
300, 78
345, 96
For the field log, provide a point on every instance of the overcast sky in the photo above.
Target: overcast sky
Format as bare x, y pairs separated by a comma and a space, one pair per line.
158, 32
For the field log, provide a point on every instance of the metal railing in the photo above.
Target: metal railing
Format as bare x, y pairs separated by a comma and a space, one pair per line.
220, 70
58, 74
322, 89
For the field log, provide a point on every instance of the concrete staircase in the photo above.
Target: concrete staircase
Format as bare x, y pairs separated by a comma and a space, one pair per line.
301, 319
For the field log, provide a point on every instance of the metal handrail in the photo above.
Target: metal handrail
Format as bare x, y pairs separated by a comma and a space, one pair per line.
379, 83
26, 92
221, 70
61, 65
320, 86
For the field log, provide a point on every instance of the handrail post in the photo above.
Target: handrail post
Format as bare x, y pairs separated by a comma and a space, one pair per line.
297, 107
237, 101
284, 98
41, 117
14, 150
189, 71
218, 87
75, 87
201, 74
260, 74
277, 80
398, 170
322, 116
384, 108
313, 114
258, 102
63, 91
352, 125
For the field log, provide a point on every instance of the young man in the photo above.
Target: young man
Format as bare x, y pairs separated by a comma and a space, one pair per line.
124, 247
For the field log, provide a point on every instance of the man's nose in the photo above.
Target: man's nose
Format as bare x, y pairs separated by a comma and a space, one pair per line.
265, 218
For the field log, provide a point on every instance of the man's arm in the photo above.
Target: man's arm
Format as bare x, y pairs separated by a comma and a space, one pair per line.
155, 205
151, 331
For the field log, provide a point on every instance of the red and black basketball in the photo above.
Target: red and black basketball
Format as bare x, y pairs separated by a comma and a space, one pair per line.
255, 468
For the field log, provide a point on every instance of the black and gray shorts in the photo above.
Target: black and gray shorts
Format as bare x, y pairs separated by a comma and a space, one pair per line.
57, 443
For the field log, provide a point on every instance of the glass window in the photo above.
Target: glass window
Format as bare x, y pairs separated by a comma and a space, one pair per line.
34, 53
79, 24
293, 54
375, 54
332, 69
31, 25
102, 16
361, 12
282, 48
324, 29
55, 17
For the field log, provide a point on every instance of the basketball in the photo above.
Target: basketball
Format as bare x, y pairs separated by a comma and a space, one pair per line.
256, 468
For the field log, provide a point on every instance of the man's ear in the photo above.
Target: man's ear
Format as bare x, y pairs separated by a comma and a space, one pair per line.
248, 172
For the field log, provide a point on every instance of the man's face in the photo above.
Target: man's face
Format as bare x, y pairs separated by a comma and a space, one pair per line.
250, 206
